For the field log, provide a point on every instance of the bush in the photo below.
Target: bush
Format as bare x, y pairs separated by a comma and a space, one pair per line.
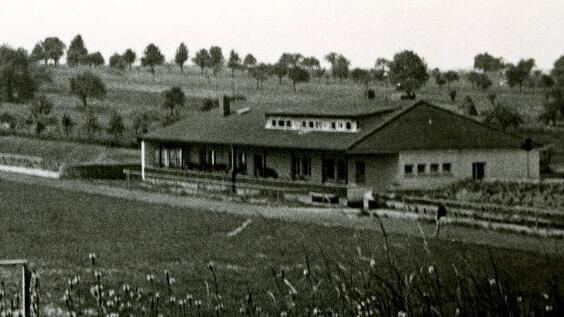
209, 103
503, 117
469, 107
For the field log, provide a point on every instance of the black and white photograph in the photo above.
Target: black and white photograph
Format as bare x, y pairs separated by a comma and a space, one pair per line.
281, 158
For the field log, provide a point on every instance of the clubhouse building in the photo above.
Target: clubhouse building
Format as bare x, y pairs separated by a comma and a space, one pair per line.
334, 150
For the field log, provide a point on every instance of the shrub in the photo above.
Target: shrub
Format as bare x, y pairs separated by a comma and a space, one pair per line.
503, 117
469, 107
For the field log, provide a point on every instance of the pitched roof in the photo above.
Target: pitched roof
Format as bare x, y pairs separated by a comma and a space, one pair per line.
419, 126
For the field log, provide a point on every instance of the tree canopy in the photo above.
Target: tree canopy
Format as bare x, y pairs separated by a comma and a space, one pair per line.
76, 52
129, 57
117, 62
557, 71
298, 75
202, 59
517, 74
152, 57
249, 61
54, 48
87, 85
487, 63
234, 61
216, 59
17, 81
181, 56
503, 117
173, 97
408, 71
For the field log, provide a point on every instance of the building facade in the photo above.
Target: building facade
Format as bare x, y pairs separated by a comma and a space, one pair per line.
342, 154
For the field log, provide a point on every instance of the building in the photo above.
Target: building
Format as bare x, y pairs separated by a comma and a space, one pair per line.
333, 149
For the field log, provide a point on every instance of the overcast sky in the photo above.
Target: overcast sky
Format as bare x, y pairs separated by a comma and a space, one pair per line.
447, 33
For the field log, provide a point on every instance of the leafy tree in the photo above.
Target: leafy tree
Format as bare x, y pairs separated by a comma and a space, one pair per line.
76, 52
503, 117
216, 59
319, 73
117, 62
181, 56
260, 73
547, 81
95, 59
311, 63
152, 57
141, 123
38, 53
552, 111
450, 76
87, 85
298, 75
480, 80
408, 71
280, 69
469, 106
54, 49
234, 63
116, 126
452, 94
557, 71
487, 63
332, 59
439, 77
91, 124
341, 70
129, 57
66, 124
202, 59
517, 74
172, 98
17, 82
39, 109
249, 61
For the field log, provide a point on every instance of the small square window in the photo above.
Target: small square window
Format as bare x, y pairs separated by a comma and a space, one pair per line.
447, 168
281, 123
408, 170
435, 168
311, 124
421, 168
349, 126
304, 124
333, 125
288, 123
340, 125
273, 123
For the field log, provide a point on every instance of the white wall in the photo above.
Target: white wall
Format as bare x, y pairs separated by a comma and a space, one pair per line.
502, 164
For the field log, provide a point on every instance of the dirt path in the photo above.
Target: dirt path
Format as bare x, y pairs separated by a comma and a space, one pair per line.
329, 217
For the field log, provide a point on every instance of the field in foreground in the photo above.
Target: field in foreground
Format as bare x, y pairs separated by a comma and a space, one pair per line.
57, 230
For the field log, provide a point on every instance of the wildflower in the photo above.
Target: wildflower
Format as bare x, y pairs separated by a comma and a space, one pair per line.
548, 308
492, 281
402, 314
545, 295
111, 293
431, 269
92, 257
150, 277
372, 263
172, 280
306, 272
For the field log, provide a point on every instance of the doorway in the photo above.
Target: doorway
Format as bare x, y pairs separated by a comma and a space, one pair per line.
478, 170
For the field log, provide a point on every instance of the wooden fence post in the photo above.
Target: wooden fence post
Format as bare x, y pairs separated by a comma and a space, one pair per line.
26, 289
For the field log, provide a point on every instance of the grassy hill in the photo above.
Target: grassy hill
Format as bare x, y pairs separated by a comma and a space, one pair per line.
133, 92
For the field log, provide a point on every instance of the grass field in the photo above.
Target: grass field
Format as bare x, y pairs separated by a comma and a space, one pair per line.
57, 230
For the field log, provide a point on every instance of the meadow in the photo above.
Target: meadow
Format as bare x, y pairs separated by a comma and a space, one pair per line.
254, 264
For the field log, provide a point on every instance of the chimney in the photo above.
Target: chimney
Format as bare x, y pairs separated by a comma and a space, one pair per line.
225, 105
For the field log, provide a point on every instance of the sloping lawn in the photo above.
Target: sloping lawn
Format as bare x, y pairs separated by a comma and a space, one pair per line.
57, 230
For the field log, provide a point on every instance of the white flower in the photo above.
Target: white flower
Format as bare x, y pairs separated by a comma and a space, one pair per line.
402, 314
431, 269
492, 281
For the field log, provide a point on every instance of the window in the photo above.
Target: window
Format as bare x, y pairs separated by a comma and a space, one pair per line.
333, 125
360, 172
421, 169
349, 126
318, 124
273, 123
478, 170
288, 123
306, 167
328, 169
311, 124
408, 170
447, 168
304, 124
434, 168
281, 123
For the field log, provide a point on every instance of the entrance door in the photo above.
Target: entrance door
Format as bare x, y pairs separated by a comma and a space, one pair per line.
478, 170
258, 160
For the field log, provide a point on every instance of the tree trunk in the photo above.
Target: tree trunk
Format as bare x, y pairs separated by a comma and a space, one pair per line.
153, 72
294, 84
182, 68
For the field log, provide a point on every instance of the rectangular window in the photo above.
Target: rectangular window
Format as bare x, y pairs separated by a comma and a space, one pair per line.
447, 168
302, 167
273, 123
288, 123
434, 168
349, 126
318, 124
421, 169
328, 169
304, 124
408, 170
478, 170
281, 123
333, 125
311, 124
306, 167
360, 172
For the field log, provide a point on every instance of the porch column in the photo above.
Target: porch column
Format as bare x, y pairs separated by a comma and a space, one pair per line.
143, 160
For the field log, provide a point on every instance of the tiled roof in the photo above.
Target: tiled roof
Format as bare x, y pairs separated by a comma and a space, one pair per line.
419, 126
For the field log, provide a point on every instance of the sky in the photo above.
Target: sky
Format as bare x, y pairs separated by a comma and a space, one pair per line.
447, 33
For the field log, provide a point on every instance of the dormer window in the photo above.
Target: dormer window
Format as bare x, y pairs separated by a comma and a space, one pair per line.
281, 123
288, 123
321, 123
273, 123
333, 125
304, 124
349, 126
311, 124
